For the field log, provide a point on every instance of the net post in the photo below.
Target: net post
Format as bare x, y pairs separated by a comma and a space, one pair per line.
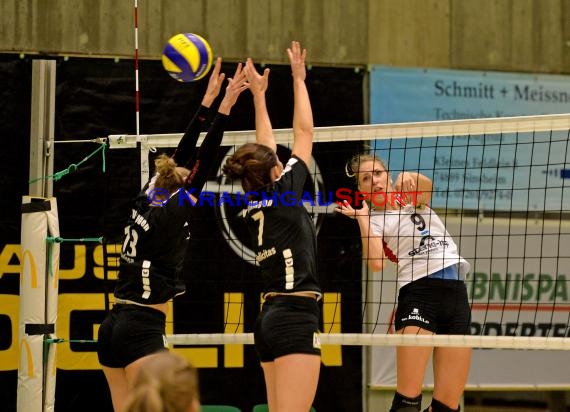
42, 127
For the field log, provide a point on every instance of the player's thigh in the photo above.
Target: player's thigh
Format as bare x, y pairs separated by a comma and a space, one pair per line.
296, 380
411, 363
270, 386
118, 385
451, 371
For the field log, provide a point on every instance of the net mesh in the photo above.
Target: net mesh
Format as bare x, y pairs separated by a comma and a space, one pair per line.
501, 186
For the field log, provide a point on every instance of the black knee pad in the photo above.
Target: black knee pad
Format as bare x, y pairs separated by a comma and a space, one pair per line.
437, 406
402, 403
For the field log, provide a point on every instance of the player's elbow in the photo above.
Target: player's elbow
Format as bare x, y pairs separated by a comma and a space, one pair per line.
375, 265
303, 135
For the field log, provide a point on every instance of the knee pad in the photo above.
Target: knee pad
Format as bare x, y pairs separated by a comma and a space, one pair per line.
402, 403
437, 406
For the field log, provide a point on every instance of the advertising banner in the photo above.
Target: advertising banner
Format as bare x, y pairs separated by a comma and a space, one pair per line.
414, 95
486, 172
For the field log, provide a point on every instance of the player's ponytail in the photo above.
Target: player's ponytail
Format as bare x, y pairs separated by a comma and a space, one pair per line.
169, 176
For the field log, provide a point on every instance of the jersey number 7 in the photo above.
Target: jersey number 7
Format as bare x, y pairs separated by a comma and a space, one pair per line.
261, 218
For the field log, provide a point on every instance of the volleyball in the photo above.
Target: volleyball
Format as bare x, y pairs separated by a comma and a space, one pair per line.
187, 57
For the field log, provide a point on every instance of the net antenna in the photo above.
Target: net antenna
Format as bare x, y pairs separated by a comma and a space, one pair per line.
144, 147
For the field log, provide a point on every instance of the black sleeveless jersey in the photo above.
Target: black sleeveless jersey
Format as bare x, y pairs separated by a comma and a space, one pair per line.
156, 238
283, 234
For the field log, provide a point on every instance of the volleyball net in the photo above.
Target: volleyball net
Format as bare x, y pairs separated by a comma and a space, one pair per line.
500, 185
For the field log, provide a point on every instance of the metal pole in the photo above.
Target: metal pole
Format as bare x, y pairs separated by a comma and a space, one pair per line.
42, 127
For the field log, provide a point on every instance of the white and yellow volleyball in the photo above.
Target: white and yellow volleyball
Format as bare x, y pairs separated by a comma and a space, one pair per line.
187, 57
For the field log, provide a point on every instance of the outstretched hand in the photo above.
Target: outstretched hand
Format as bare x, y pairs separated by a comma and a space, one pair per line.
346, 209
257, 82
297, 59
214, 84
236, 84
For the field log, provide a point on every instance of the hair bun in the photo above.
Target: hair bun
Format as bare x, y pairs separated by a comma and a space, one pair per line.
233, 168
165, 165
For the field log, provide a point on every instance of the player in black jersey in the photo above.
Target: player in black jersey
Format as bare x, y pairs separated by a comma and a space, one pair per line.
287, 329
155, 243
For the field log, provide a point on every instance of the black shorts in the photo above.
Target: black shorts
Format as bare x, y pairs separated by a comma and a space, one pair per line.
438, 305
287, 325
128, 333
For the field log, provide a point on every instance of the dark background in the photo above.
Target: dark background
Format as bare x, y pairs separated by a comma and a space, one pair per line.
95, 98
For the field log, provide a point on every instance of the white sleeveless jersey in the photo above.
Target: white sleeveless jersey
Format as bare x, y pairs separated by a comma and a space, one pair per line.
417, 241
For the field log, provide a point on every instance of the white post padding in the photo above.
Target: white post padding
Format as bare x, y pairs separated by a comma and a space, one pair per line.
38, 304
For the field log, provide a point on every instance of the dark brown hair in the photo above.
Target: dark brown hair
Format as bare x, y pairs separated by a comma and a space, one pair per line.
252, 164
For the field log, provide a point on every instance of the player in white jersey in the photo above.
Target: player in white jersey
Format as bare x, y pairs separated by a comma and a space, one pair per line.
432, 297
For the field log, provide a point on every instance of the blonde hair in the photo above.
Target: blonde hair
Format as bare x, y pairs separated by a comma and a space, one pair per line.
353, 165
166, 382
169, 175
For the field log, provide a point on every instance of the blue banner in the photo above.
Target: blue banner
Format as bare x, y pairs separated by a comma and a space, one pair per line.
521, 172
413, 95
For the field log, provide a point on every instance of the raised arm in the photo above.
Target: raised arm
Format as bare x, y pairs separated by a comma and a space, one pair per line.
187, 146
208, 150
302, 112
258, 85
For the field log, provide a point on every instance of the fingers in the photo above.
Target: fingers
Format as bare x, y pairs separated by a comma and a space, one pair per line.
214, 84
217, 67
249, 69
297, 59
346, 209
258, 83
405, 183
216, 78
295, 48
238, 71
239, 82
251, 72
296, 53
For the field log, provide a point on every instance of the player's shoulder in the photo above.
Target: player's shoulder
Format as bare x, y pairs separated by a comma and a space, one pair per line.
297, 162
294, 167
